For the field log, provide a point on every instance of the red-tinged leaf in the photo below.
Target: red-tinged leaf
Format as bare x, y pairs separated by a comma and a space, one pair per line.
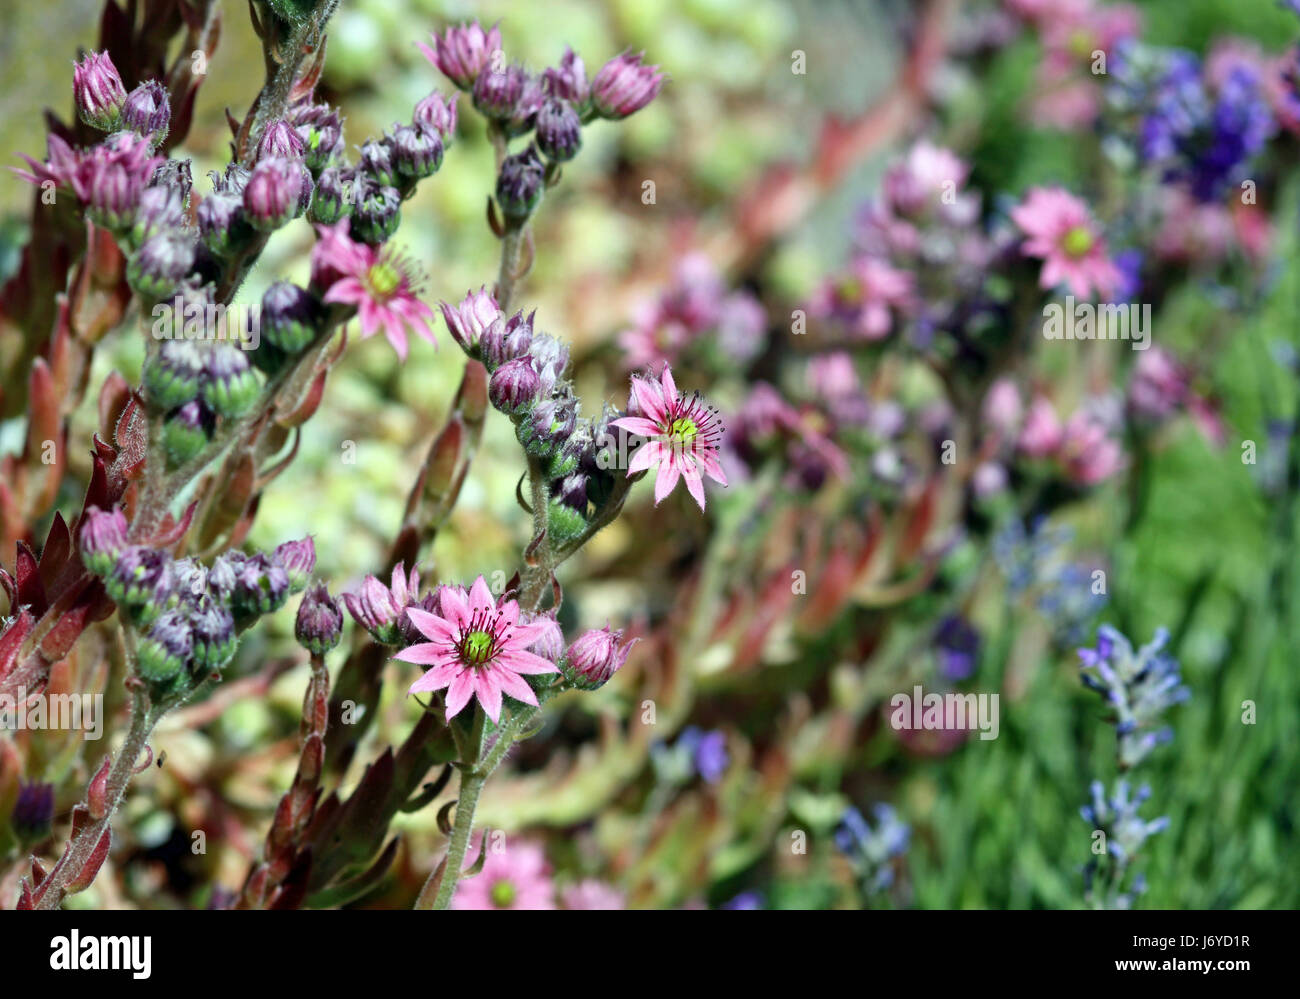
98, 493
307, 405
173, 530
31, 591
25, 900
10, 587
113, 397
918, 527
55, 555
97, 793
86, 876
38, 871
306, 82
293, 889
12, 638
472, 396
132, 437
43, 405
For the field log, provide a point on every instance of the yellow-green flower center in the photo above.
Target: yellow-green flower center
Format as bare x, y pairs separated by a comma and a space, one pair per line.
1078, 241
476, 647
384, 279
683, 430
849, 291
503, 893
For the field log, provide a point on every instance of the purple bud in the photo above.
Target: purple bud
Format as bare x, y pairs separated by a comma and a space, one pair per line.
462, 52
507, 339
221, 222
417, 152
99, 91
291, 317
159, 208
139, 580
277, 191
321, 132
595, 656
103, 536
164, 653
550, 358
232, 181
573, 491
519, 187
377, 163
569, 81
377, 214
147, 111
229, 385
375, 608
172, 373
33, 813
625, 85
261, 586
114, 194
161, 264
497, 91
468, 321
319, 625
186, 432
523, 115
329, 203
559, 131
298, 559
437, 114
280, 141
213, 633
514, 385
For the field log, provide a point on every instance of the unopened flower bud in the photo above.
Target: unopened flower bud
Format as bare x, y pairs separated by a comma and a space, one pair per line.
519, 186
377, 214
221, 222
298, 558
559, 131
172, 373
506, 339
376, 609
321, 131
277, 191
138, 582
99, 91
261, 586
417, 152
376, 163
103, 536
550, 643
319, 625
160, 207
164, 653
496, 91
291, 317
186, 432
569, 81
523, 116
624, 85
513, 386
438, 114
563, 523
147, 112
161, 264
213, 632
230, 385
280, 141
468, 321
595, 656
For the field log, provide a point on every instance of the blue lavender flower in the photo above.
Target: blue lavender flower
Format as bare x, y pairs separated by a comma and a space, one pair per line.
1035, 563
1239, 126
1125, 833
746, 900
1140, 686
872, 850
695, 753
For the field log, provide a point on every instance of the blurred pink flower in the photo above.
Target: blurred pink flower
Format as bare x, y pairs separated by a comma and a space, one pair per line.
1062, 232
518, 877
865, 298
591, 894
380, 282
1003, 407
1087, 454
1158, 385
1042, 432
683, 436
477, 648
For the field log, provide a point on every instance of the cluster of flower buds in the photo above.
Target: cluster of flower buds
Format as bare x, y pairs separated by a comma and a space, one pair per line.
527, 383
188, 614
319, 625
1139, 686
552, 105
872, 849
1126, 832
104, 104
193, 382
